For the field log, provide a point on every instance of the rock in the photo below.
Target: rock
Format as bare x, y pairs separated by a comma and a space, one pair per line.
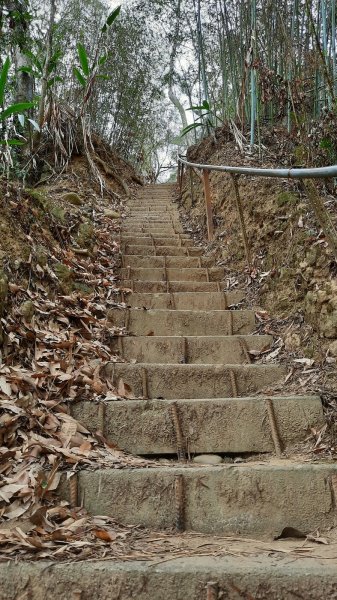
333, 348
292, 342
41, 256
322, 296
208, 459
72, 198
27, 310
328, 326
112, 214
312, 256
3, 289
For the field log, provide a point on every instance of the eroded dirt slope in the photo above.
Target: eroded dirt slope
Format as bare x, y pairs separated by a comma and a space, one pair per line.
292, 283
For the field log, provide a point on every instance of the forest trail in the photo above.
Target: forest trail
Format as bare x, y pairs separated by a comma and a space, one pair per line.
186, 370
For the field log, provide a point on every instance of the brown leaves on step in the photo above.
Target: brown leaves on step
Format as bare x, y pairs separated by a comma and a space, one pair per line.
60, 533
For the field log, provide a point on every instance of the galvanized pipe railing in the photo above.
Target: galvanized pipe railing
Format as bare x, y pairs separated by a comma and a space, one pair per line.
305, 173
313, 173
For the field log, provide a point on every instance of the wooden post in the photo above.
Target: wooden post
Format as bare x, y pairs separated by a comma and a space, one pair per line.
181, 176
242, 221
191, 185
208, 201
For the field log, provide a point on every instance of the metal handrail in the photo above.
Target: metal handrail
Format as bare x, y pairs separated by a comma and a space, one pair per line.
315, 201
319, 172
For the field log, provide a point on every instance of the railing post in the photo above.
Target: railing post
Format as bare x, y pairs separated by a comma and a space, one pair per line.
242, 220
208, 202
181, 176
191, 184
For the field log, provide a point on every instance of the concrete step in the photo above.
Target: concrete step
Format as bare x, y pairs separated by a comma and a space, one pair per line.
149, 287
171, 274
190, 350
152, 215
154, 242
147, 219
137, 209
283, 574
183, 236
155, 250
151, 230
149, 202
176, 262
183, 322
259, 500
184, 301
225, 425
194, 381
145, 239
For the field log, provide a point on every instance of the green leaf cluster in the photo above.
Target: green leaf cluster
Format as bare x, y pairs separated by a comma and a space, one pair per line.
12, 109
84, 73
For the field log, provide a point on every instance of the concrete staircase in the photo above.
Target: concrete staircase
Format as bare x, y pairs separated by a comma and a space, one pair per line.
188, 361
188, 364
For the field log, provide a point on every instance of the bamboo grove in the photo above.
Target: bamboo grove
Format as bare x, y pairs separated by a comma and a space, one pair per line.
171, 65
260, 61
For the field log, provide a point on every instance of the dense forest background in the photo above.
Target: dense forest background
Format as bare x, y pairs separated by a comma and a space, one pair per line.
142, 75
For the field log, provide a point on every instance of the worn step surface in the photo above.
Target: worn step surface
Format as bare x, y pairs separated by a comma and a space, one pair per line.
249, 499
172, 274
148, 287
176, 262
191, 350
153, 250
156, 240
280, 574
194, 381
184, 301
226, 425
183, 322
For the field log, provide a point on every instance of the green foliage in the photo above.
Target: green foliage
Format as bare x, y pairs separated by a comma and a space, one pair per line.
208, 123
3, 79
37, 67
85, 74
79, 77
12, 109
83, 57
15, 109
286, 199
111, 18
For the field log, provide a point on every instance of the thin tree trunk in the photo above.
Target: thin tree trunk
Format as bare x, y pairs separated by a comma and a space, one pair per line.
44, 84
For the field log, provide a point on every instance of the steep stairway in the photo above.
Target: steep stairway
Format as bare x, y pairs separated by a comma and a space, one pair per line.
223, 480
186, 360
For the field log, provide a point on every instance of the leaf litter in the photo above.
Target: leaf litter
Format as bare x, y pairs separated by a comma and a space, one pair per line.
57, 345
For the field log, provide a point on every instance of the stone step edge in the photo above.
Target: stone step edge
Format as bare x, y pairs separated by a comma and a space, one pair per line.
264, 575
249, 499
225, 426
